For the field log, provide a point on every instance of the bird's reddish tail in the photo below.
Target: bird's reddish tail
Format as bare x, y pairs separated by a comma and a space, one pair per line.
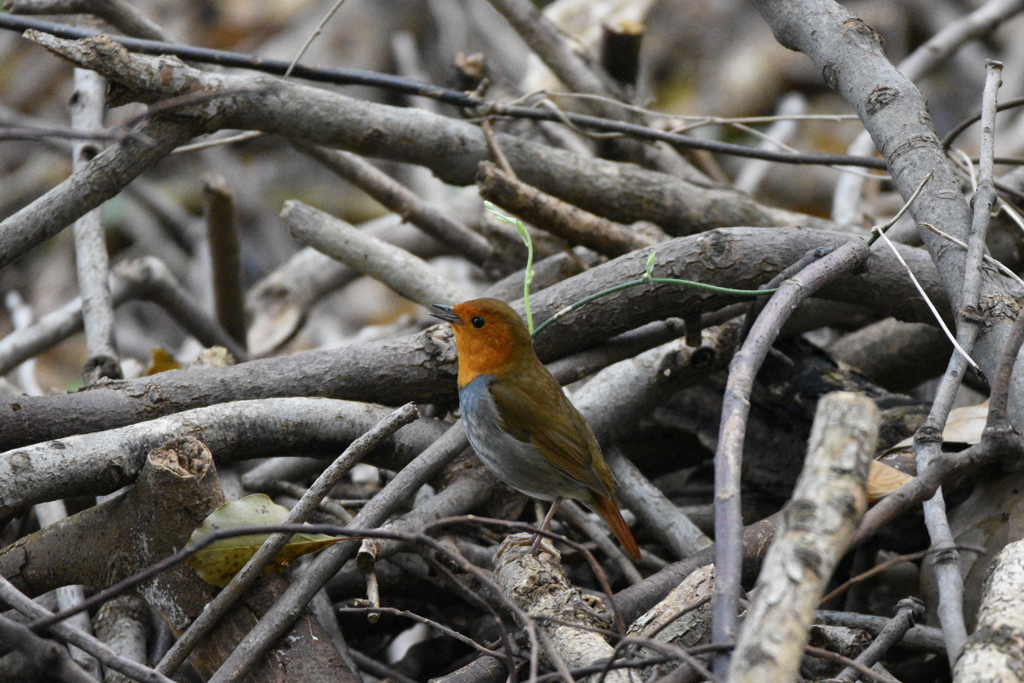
609, 512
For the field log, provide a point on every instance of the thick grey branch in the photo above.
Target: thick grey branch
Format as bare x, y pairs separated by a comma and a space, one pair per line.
849, 54
105, 461
421, 367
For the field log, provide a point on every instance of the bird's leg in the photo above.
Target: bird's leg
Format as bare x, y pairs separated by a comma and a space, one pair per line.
535, 546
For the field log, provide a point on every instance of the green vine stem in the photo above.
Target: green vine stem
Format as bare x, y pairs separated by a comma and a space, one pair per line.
647, 279
528, 278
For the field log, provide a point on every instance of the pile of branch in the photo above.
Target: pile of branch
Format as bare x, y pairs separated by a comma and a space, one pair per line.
742, 452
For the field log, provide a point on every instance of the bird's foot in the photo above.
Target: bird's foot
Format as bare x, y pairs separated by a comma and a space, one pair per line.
518, 546
521, 545
535, 546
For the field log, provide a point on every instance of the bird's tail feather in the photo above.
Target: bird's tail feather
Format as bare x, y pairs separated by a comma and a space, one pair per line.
609, 511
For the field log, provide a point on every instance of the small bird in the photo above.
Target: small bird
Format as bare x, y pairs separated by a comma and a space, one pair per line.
519, 421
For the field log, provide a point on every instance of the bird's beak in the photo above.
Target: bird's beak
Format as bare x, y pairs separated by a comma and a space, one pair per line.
446, 314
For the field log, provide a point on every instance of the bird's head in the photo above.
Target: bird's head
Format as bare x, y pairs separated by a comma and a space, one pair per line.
490, 337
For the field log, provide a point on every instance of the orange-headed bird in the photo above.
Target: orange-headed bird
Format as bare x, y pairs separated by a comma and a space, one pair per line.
520, 422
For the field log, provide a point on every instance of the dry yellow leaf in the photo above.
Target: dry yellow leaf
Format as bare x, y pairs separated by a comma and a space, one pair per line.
161, 361
884, 480
222, 559
964, 425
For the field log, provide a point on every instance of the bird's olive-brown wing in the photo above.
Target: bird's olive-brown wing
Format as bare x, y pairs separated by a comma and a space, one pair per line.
538, 413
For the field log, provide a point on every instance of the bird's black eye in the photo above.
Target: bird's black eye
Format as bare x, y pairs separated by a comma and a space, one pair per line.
477, 321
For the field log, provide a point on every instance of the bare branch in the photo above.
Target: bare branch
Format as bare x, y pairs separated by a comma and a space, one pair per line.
815, 531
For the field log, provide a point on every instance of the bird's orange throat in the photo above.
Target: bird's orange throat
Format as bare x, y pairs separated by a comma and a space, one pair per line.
480, 354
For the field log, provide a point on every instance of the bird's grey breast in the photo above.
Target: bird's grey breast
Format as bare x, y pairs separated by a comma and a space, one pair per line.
517, 463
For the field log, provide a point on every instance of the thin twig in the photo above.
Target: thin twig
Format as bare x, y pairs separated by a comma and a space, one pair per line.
284, 612
836, 657
218, 142
41, 132
988, 259
694, 120
496, 151
309, 41
91, 258
954, 133
382, 671
879, 229
931, 306
120, 14
43, 654
908, 611
928, 440
330, 506
595, 566
451, 633
110, 659
882, 566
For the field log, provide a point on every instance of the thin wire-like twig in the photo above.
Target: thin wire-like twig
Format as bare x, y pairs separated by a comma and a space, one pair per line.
792, 150
1011, 212
84, 641
451, 633
218, 142
879, 229
931, 306
250, 134
313, 36
882, 566
599, 574
964, 162
285, 529
40, 132
836, 657
988, 259
948, 138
